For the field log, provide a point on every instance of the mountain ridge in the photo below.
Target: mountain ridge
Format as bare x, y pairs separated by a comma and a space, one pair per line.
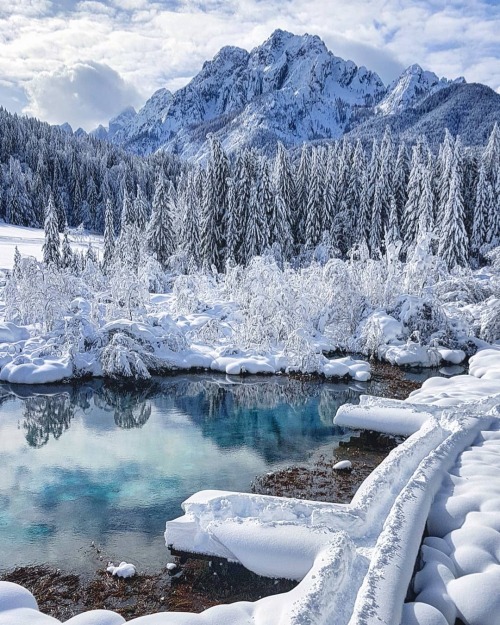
291, 88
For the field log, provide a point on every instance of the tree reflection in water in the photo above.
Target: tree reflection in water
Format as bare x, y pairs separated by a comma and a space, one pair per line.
47, 416
230, 412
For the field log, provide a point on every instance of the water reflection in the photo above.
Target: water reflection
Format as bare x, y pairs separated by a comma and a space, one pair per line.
110, 464
45, 417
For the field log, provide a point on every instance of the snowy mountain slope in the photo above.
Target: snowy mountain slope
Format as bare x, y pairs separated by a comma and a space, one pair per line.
411, 88
468, 110
290, 88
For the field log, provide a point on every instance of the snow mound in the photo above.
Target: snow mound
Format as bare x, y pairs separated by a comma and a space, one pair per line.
122, 570
343, 465
96, 617
10, 333
26, 370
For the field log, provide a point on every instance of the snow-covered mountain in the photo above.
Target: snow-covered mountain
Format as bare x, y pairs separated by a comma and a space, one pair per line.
411, 88
466, 109
291, 88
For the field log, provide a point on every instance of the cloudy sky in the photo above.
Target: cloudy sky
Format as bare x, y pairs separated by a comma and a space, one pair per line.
83, 61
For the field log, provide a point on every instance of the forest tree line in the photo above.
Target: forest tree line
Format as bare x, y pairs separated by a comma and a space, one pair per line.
321, 203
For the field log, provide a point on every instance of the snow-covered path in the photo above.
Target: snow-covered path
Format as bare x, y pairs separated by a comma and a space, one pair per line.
460, 573
355, 561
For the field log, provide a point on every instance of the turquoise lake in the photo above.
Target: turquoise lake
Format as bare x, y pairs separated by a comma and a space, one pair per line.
91, 471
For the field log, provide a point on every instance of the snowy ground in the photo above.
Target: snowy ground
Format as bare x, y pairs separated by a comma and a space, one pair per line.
29, 242
355, 561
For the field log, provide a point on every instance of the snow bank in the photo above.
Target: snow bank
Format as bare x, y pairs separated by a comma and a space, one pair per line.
411, 354
382, 415
26, 370
11, 333
460, 572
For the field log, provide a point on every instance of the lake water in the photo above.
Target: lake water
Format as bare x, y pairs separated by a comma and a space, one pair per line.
93, 463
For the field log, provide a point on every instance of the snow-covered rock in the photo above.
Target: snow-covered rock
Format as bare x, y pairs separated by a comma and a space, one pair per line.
122, 570
26, 370
11, 333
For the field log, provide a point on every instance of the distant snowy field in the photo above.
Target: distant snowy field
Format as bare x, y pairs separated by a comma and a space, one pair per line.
29, 242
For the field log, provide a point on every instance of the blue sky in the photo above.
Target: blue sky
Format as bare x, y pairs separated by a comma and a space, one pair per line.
83, 61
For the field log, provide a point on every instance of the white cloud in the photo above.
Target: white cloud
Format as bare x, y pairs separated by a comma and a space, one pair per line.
157, 43
82, 94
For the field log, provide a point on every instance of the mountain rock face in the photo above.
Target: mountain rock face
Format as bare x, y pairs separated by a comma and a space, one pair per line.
468, 110
411, 88
290, 89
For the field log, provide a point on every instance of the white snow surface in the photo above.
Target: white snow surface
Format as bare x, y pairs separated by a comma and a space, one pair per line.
122, 570
29, 242
355, 560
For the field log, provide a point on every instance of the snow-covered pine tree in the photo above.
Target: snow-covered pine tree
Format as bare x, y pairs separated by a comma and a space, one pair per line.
16, 268
315, 208
490, 157
90, 255
238, 207
51, 246
393, 233
109, 236
330, 199
160, 230
19, 208
215, 196
302, 194
363, 220
189, 233
411, 214
445, 165
93, 202
266, 197
253, 243
425, 205
401, 175
127, 216
281, 224
453, 244
383, 192
141, 209
482, 208
66, 253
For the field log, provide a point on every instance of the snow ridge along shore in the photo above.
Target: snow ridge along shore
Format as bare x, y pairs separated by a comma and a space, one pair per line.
355, 561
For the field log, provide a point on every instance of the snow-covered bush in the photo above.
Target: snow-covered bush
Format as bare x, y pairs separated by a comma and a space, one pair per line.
490, 321
302, 354
421, 317
124, 357
40, 294
129, 293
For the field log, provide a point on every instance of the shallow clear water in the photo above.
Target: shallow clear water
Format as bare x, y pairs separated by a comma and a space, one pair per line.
96, 463
92, 463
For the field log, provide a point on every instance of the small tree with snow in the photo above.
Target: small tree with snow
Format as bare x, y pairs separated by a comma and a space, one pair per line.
109, 236
51, 246
66, 253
